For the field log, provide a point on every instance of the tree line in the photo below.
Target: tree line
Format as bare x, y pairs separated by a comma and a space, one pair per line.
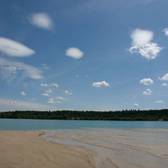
127, 115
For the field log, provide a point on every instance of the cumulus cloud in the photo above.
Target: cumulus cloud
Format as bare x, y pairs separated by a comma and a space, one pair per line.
136, 105
146, 81
55, 85
159, 102
23, 93
10, 104
49, 85
11, 68
48, 88
165, 30
59, 98
43, 84
55, 100
45, 94
75, 53
101, 84
51, 101
45, 66
142, 43
42, 20
67, 92
164, 77
147, 92
14, 49
164, 84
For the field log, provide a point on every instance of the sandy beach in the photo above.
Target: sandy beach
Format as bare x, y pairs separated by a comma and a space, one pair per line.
89, 148
29, 150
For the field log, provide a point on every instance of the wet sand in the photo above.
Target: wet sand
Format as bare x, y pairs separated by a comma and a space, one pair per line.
99, 148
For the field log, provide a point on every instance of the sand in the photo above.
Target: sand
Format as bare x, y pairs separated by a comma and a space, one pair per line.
29, 150
96, 148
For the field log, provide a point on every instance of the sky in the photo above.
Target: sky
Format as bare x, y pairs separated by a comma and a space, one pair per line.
83, 54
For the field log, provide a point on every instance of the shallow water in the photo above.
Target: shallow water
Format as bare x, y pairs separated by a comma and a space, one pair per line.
118, 148
22, 124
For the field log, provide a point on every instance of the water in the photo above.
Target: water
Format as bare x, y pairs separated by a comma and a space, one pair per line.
22, 124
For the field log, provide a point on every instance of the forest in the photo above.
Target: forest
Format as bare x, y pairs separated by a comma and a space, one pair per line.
126, 115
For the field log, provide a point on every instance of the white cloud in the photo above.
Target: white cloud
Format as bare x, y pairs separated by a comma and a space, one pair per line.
136, 105
147, 92
10, 68
44, 85
59, 98
42, 20
101, 84
14, 49
49, 85
164, 84
55, 85
75, 53
45, 67
49, 88
142, 44
146, 81
23, 93
67, 92
159, 102
165, 30
51, 101
45, 94
164, 77
10, 104
141, 37
55, 100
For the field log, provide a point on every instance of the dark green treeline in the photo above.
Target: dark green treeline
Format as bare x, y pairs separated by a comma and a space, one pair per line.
126, 115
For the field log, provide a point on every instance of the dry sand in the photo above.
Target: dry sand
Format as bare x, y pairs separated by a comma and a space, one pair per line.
29, 150
99, 148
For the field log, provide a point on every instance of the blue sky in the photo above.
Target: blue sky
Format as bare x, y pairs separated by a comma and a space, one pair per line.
83, 54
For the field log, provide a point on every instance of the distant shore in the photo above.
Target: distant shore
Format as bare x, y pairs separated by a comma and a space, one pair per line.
84, 148
125, 115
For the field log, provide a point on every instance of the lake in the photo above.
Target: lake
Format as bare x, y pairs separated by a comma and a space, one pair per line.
28, 124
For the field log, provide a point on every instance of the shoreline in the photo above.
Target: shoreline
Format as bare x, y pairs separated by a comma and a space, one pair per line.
85, 148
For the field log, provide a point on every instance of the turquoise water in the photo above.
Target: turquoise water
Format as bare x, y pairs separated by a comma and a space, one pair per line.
21, 124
